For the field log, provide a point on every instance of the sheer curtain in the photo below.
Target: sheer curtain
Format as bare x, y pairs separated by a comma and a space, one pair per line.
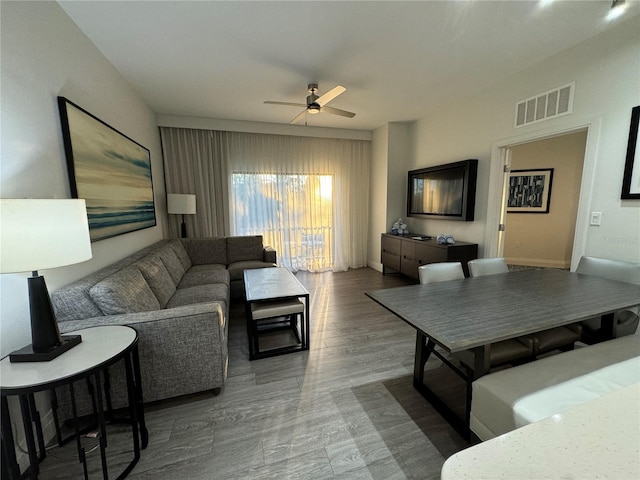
298, 226
197, 162
308, 197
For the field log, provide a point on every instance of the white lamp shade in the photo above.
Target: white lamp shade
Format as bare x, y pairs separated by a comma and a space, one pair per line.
42, 234
181, 203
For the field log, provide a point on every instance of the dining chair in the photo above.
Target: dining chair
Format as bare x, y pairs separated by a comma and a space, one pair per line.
500, 353
558, 338
619, 270
440, 272
487, 266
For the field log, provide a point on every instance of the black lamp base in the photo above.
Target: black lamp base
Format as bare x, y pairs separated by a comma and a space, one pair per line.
27, 354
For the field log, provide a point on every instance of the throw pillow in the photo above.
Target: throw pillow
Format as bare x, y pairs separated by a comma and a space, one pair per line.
181, 253
125, 291
155, 273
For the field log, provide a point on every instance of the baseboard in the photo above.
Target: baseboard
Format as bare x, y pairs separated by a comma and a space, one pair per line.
375, 265
536, 262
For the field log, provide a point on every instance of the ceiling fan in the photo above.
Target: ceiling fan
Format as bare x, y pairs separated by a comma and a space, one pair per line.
316, 104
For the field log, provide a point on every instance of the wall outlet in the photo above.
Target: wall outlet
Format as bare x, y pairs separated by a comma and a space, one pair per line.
596, 219
517, 244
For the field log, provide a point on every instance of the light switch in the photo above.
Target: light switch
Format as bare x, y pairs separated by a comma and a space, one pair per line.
596, 218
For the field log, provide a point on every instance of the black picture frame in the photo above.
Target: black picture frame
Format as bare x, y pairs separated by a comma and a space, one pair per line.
530, 190
110, 171
631, 177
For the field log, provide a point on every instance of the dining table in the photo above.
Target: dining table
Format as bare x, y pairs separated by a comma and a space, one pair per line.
459, 320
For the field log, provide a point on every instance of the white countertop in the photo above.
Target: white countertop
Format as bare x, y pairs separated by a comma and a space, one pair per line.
599, 439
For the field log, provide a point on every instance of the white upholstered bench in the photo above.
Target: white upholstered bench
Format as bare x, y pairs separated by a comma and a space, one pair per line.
508, 399
275, 315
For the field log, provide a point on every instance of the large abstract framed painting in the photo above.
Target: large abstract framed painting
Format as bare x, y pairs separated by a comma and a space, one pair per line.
530, 191
110, 171
631, 178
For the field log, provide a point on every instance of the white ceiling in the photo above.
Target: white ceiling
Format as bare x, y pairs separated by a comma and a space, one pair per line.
398, 60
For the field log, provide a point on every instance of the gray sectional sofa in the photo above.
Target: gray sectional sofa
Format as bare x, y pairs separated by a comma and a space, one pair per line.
176, 295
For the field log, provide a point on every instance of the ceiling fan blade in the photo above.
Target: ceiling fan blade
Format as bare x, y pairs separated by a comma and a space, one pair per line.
330, 95
299, 116
337, 111
286, 103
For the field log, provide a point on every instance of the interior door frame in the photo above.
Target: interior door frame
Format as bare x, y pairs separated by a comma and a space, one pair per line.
498, 186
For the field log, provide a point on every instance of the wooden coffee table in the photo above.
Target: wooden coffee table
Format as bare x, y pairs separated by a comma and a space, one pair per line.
272, 286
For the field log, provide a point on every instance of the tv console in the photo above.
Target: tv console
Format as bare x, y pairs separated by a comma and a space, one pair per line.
404, 253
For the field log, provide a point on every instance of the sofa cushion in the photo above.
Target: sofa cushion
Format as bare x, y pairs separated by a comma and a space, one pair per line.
74, 302
236, 270
125, 291
204, 251
200, 294
241, 249
203, 275
178, 248
172, 263
155, 273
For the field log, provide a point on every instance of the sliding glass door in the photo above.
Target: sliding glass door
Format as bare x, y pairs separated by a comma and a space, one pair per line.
293, 212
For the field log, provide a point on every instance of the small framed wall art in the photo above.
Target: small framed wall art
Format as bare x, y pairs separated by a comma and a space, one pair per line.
110, 171
530, 190
631, 178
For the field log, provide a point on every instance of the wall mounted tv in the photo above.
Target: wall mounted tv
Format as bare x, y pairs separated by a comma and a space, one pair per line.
445, 192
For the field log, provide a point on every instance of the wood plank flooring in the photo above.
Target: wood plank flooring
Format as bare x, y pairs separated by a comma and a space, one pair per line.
346, 409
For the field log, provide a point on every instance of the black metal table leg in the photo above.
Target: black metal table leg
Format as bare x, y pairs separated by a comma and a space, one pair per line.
76, 426
35, 418
10, 465
28, 433
102, 440
144, 434
133, 414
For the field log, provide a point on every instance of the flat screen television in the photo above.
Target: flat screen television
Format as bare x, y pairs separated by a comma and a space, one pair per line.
445, 192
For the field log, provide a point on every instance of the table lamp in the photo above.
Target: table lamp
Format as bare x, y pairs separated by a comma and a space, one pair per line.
182, 204
37, 235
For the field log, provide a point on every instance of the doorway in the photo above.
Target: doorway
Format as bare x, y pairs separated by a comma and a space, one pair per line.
544, 237
498, 183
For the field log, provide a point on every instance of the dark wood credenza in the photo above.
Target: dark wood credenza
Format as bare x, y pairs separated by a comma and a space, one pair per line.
401, 253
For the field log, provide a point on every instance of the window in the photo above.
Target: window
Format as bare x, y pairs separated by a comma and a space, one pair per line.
293, 212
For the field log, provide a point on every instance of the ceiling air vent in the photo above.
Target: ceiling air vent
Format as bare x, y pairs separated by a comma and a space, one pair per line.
551, 104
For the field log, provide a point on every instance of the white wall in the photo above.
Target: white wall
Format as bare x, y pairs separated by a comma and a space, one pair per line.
606, 70
44, 54
387, 183
399, 159
378, 194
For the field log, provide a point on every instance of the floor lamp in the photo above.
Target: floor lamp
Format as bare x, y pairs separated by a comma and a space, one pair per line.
38, 235
181, 204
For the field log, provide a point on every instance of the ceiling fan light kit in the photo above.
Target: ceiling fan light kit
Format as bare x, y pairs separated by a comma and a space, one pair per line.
316, 104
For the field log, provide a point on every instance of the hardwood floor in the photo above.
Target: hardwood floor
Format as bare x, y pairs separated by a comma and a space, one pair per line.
346, 409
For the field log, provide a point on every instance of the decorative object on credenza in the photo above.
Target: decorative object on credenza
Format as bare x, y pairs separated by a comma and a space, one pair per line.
530, 190
181, 204
631, 178
38, 235
400, 228
444, 239
110, 171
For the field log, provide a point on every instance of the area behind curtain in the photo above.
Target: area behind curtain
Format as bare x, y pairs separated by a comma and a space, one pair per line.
197, 162
346, 161
290, 172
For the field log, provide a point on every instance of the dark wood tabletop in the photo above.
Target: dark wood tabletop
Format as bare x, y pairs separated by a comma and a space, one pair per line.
464, 314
